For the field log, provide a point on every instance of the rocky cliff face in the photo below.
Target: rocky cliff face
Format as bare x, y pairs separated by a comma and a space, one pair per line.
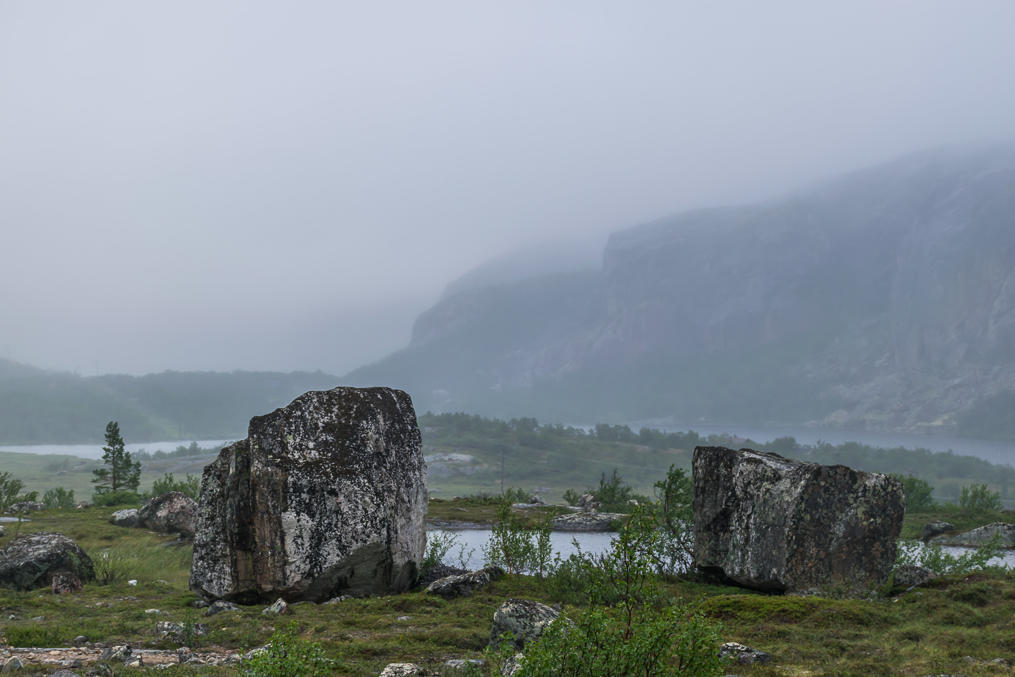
885, 298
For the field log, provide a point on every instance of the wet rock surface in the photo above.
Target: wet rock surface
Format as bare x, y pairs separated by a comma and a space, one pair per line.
770, 523
326, 496
974, 538
465, 584
33, 560
586, 521
524, 620
171, 513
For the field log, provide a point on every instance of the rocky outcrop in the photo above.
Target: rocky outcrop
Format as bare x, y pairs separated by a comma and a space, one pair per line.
124, 518
743, 654
974, 538
325, 496
522, 620
770, 523
33, 560
463, 585
172, 513
587, 521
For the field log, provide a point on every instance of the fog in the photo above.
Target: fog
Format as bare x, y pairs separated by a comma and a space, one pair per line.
224, 185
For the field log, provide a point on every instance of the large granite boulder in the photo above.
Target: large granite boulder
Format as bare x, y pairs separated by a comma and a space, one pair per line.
326, 496
521, 621
172, 513
770, 523
33, 560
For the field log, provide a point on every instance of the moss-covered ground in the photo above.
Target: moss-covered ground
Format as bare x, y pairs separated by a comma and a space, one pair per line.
921, 632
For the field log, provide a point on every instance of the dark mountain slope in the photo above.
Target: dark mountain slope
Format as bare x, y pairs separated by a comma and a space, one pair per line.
884, 298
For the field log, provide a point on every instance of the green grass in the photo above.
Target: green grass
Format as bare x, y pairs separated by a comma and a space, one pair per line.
927, 631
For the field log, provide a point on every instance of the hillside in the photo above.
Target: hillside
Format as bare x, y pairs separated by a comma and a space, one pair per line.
38, 406
883, 299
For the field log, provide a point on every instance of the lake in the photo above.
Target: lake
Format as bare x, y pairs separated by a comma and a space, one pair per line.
595, 543
95, 450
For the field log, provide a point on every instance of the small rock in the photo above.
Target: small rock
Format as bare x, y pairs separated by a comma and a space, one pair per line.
932, 529
401, 670
65, 673
402, 618
909, 576
30, 561
743, 654
256, 651
1, 530
64, 583
220, 606
340, 598
525, 620
120, 652
12, 664
80, 640
153, 611
179, 632
588, 503
199, 604
586, 521
457, 666
277, 609
511, 666
463, 585
132, 582
124, 518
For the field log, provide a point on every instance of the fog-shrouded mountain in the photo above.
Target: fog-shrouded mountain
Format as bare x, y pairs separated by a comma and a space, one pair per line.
882, 299
39, 406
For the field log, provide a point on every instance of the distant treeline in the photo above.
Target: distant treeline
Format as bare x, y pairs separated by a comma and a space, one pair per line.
179, 452
646, 449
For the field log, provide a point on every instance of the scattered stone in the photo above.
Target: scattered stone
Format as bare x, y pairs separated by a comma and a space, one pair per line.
456, 666
525, 620
199, 603
743, 654
31, 561
588, 503
80, 640
220, 606
438, 571
125, 518
120, 652
974, 538
182, 633
586, 521
932, 529
132, 582
64, 673
402, 619
340, 598
276, 609
171, 513
65, 582
402, 670
153, 611
909, 576
512, 666
463, 585
326, 496
12, 664
770, 523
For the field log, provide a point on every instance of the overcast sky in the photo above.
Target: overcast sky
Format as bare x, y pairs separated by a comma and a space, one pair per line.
285, 185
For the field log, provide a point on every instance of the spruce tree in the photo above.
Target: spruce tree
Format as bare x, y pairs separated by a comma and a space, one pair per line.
123, 472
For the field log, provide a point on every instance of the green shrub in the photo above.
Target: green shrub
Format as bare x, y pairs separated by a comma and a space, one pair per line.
191, 486
438, 544
674, 551
978, 498
917, 492
287, 655
628, 627
516, 546
113, 498
10, 492
58, 498
933, 557
515, 495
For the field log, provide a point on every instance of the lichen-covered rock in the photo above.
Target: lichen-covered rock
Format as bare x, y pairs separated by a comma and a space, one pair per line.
124, 518
465, 584
586, 521
172, 513
910, 576
31, 561
64, 583
770, 523
743, 654
326, 496
932, 529
220, 606
522, 620
974, 538
402, 670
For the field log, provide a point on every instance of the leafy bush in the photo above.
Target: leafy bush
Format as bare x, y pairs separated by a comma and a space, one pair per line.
114, 498
10, 492
978, 498
516, 546
933, 557
515, 495
674, 551
191, 486
58, 498
287, 655
628, 627
917, 492
438, 544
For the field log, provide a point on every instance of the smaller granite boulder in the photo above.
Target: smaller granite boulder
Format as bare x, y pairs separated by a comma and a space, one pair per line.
910, 576
277, 609
974, 538
588, 503
743, 654
31, 561
523, 620
460, 666
220, 606
181, 633
932, 529
65, 582
402, 670
463, 585
26, 506
124, 518
171, 513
